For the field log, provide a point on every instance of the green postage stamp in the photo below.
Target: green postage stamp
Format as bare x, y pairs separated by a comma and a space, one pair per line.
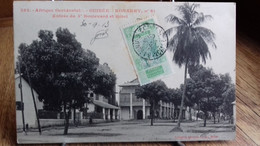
147, 44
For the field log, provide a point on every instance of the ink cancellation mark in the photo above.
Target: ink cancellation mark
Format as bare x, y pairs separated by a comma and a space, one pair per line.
149, 41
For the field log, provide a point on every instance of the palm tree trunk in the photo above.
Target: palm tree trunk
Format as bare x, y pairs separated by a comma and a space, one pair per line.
183, 95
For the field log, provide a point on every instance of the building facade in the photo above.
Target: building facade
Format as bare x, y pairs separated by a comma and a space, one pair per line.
24, 101
132, 107
99, 109
102, 109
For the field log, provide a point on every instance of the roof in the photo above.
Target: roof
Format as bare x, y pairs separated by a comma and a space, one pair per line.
134, 82
16, 76
104, 104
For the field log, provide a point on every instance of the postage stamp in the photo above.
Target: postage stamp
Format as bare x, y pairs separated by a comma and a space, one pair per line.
147, 44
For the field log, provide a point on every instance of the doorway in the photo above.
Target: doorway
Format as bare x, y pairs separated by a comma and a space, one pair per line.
140, 115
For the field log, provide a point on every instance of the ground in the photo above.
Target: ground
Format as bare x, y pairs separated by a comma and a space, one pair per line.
136, 130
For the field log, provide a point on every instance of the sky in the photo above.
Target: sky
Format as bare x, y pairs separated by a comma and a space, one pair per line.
112, 48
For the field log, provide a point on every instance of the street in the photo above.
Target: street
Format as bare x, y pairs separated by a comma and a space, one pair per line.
131, 131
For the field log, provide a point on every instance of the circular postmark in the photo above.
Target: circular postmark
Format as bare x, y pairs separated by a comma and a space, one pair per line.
149, 41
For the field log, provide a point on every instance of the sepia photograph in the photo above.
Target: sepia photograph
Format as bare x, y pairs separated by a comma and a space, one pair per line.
105, 72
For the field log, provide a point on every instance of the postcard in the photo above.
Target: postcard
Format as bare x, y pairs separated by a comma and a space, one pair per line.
124, 71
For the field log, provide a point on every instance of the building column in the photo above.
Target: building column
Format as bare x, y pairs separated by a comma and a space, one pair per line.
170, 110
72, 114
58, 115
143, 108
166, 111
119, 114
80, 115
113, 112
160, 112
173, 110
108, 114
104, 113
131, 106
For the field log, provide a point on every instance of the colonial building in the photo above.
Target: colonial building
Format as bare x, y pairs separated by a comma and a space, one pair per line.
132, 107
104, 107
24, 101
100, 109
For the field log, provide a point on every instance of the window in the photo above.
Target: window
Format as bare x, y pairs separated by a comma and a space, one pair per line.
19, 105
125, 97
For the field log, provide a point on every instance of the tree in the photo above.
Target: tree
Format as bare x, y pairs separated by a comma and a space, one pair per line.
209, 88
61, 71
220, 84
153, 93
175, 98
191, 95
229, 98
107, 88
190, 42
199, 75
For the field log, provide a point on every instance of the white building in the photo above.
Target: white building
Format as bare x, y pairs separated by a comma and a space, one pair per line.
132, 107
99, 109
27, 104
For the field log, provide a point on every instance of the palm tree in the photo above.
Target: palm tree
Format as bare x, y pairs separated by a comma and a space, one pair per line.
191, 41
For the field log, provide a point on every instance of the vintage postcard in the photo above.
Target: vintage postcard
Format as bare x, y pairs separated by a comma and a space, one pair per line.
124, 71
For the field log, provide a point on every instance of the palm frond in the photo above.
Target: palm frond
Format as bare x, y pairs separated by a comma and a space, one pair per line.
207, 35
169, 31
190, 43
201, 18
175, 20
200, 51
174, 40
188, 12
172, 43
182, 47
195, 6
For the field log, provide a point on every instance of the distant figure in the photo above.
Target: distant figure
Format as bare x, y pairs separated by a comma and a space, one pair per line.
27, 127
90, 119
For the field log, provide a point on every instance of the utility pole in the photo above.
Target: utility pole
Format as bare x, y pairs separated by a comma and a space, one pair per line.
21, 91
35, 107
